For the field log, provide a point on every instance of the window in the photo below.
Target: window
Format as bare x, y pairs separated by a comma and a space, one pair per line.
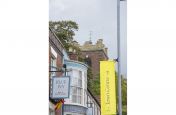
53, 66
85, 98
85, 80
95, 110
76, 95
76, 87
89, 102
85, 88
80, 79
76, 79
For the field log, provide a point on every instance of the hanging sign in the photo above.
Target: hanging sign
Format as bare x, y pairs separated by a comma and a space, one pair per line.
108, 88
60, 87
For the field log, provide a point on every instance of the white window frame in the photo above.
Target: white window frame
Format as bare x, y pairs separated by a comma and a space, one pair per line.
75, 79
53, 65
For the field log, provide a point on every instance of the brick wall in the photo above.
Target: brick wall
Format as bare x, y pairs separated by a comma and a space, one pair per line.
73, 56
96, 57
57, 46
59, 64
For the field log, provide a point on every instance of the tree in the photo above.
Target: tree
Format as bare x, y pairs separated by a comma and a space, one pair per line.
89, 77
65, 31
124, 94
94, 85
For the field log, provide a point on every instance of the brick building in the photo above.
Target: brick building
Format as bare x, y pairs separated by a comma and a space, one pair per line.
93, 54
55, 63
81, 101
73, 54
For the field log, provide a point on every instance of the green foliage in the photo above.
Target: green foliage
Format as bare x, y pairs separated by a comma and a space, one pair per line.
93, 83
81, 59
124, 94
65, 30
95, 86
89, 77
124, 110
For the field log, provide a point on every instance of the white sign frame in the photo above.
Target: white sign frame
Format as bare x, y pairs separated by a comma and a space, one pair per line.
54, 87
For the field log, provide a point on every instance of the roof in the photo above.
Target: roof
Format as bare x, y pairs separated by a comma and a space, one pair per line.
52, 31
94, 97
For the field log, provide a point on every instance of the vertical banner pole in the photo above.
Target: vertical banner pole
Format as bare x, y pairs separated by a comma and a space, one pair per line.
119, 60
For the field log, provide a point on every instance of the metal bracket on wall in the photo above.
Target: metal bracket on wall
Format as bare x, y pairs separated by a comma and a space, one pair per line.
117, 60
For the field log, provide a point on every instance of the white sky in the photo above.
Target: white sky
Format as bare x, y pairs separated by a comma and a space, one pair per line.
98, 16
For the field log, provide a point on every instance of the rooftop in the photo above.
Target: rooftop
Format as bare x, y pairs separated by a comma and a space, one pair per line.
88, 46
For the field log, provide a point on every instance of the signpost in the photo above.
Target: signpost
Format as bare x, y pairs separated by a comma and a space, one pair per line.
60, 87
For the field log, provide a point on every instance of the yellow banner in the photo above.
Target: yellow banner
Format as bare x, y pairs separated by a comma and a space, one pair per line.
108, 90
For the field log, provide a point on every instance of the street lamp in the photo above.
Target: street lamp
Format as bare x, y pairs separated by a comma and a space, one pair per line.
119, 60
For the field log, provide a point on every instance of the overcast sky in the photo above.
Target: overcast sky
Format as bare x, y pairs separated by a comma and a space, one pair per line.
98, 16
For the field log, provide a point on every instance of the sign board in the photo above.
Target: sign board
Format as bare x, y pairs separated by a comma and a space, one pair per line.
60, 87
108, 88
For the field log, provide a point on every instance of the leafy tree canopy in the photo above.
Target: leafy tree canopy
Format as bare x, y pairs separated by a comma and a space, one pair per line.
65, 31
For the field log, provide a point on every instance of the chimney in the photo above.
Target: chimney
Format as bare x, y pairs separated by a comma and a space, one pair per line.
73, 54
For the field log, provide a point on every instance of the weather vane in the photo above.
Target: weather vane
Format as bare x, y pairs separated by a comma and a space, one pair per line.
90, 36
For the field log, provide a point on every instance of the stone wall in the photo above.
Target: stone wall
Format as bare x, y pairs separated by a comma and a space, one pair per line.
88, 46
96, 53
